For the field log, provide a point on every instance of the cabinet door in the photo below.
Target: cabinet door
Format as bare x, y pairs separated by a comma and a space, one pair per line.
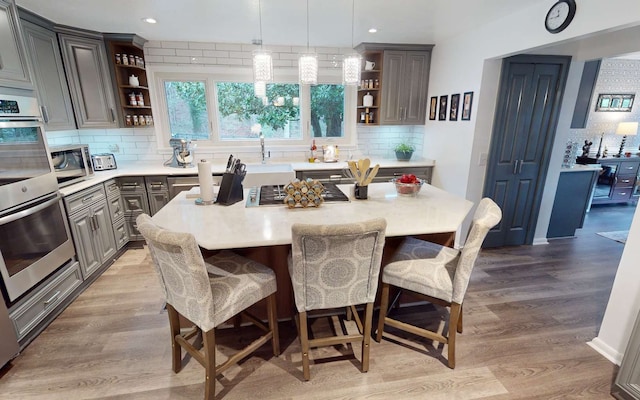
48, 76
157, 200
89, 81
13, 62
135, 202
82, 229
416, 80
104, 232
392, 83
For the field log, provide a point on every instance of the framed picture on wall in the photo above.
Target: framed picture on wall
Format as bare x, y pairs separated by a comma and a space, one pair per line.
467, 100
453, 110
615, 102
433, 108
442, 114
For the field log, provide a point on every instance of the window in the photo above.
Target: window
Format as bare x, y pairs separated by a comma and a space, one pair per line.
187, 109
219, 107
239, 109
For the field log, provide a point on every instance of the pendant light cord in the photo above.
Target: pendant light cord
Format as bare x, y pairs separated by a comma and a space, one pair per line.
260, 21
353, 18
307, 26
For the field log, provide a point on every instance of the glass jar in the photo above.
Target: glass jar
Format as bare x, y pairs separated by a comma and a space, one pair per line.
140, 99
125, 59
142, 121
128, 120
132, 99
118, 59
132, 59
136, 122
149, 120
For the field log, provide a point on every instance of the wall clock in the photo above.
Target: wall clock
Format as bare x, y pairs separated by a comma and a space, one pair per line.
560, 15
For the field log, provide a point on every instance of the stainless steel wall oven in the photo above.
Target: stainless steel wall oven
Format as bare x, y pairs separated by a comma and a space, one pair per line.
34, 234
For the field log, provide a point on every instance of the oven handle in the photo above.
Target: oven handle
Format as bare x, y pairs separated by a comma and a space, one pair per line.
28, 123
29, 211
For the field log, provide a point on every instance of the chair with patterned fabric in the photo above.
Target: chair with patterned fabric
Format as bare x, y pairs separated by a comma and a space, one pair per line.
438, 274
335, 266
208, 293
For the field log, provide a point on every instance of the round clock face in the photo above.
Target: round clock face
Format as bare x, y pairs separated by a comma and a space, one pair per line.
560, 15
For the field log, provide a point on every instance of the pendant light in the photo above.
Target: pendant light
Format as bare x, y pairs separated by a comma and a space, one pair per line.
308, 62
262, 63
352, 62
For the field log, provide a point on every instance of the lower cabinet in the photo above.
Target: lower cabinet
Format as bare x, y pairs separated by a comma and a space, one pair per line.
116, 211
617, 181
142, 195
571, 202
92, 231
384, 174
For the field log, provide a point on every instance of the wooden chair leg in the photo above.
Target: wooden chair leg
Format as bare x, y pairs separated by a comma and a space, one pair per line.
174, 327
273, 323
451, 340
460, 320
384, 303
366, 340
209, 345
304, 344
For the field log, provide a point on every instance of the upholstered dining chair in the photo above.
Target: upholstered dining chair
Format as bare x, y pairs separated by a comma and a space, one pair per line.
438, 274
335, 266
208, 293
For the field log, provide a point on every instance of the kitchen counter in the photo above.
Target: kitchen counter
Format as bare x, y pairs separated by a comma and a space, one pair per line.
582, 168
156, 168
226, 227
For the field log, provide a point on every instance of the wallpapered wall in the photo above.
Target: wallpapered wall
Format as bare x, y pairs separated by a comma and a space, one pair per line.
616, 76
139, 144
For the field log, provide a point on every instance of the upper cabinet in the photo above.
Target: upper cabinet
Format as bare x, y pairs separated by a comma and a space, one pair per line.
13, 62
87, 72
48, 76
404, 82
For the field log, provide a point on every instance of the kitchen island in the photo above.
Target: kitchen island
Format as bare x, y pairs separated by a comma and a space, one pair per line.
264, 233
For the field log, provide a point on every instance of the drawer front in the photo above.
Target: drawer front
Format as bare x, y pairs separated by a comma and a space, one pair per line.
131, 183
624, 181
135, 203
112, 189
30, 313
156, 184
120, 233
116, 208
629, 168
622, 194
132, 227
85, 198
386, 174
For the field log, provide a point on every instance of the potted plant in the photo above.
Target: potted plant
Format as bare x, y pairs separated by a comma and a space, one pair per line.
404, 151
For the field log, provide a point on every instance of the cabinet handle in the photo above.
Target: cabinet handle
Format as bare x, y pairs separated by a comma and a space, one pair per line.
52, 298
626, 180
95, 219
113, 115
88, 198
520, 167
515, 167
405, 113
45, 114
90, 222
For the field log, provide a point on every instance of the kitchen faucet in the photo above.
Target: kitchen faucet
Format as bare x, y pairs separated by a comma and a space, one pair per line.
262, 148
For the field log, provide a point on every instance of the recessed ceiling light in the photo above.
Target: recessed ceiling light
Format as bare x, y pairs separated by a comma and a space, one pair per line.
149, 20
373, 30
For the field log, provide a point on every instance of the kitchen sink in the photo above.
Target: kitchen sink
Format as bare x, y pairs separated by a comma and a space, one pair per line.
268, 174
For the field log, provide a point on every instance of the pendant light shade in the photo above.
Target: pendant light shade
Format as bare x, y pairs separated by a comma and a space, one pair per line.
308, 69
260, 88
351, 69
262, 63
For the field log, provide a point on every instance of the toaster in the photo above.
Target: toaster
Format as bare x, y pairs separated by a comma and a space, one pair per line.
103, 161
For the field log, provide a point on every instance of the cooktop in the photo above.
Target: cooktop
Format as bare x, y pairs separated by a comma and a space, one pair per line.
269, 195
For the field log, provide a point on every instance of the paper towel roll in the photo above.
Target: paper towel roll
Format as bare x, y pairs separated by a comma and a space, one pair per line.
206, 180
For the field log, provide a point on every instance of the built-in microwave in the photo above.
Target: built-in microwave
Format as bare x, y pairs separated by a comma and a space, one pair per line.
71, 163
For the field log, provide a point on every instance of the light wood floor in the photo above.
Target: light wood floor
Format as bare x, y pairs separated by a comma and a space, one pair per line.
528, 314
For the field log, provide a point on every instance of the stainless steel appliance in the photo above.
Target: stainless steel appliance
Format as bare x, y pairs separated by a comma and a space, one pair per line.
182, 156
34, 235
72, 163
103, 161
9, 344
26, 171
270, 195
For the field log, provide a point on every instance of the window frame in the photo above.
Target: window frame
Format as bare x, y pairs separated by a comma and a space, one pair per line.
211, 75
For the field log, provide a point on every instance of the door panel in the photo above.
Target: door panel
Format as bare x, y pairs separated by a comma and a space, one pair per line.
529, 99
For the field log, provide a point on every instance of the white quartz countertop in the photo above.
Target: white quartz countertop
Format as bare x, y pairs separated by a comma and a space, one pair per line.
236, 226
582, 168
139, 168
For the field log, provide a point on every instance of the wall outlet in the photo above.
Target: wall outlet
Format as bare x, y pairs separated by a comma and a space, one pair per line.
114, 148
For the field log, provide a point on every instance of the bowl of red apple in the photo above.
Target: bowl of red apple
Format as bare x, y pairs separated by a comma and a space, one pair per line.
408, 185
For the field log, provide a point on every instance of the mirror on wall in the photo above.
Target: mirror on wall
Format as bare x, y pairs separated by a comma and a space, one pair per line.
615, 102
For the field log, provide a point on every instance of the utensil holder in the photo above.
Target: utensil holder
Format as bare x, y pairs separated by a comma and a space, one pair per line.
231, 190
361, 192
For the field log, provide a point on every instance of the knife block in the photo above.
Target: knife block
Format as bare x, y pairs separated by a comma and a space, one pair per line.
231, 190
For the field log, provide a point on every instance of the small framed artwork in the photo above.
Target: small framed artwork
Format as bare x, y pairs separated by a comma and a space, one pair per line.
433, 108
442, 112
615, 102
453, 110
467, 100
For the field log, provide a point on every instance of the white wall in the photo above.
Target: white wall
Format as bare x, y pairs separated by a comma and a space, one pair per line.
470, 62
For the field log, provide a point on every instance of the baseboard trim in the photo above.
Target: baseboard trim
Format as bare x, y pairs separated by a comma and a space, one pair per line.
538, 241
606, 351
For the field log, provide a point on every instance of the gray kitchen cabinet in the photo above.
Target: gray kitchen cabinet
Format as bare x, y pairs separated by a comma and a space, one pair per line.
48, 76
14, 71
571, 203
405, 77
134, 196
89, 80
117, 213
384, 174
157, 191
92, 230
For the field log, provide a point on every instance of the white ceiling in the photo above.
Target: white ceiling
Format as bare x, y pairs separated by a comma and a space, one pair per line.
283, 21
